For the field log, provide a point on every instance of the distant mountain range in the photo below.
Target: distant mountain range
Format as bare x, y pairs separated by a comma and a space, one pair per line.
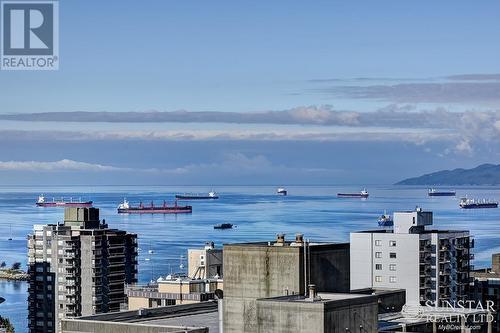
485, 174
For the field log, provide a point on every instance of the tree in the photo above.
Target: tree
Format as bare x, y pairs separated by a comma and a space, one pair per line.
5, 323
16, 266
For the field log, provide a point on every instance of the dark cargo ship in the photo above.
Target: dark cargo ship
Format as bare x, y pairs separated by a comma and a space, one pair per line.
435, 193
362, 194
61, 203
125, 208
385, 220
195, 196
473, 203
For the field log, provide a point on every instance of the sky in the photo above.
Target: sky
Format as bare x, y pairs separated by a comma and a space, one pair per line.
263, 92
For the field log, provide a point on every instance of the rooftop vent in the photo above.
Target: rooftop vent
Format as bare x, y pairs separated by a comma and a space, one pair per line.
280, 240
313, 295
299, 240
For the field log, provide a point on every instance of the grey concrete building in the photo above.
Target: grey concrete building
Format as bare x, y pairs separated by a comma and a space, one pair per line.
318, 313
431, 265
78, 267
187, 318
271, 269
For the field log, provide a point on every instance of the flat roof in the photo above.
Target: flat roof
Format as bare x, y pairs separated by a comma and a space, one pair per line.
426, 231
333, 299
206, 319
287, 244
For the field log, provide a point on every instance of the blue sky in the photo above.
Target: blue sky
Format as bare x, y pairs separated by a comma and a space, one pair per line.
305, 61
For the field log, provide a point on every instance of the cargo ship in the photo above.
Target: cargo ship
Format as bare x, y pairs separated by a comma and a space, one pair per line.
196, 196
282, 191
385, 220
223, 226
473, 203
62, 203
126, 208
362, 194
435, 193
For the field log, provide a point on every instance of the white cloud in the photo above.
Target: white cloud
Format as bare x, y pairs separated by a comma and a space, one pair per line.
62, 165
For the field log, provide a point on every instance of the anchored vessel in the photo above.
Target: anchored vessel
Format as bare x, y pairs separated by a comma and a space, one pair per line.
282, 191
196, 196
223, 226
362, 194
125, 208
385, 220
61, 203
474, 203
435, 193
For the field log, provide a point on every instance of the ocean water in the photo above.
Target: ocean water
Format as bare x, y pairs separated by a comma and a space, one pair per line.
256, 211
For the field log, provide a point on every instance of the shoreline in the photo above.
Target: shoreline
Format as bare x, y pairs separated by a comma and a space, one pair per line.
11, 275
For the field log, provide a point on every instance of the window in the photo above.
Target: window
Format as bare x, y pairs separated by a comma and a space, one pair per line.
378, 254
378, 267
392, 267
392, 255
392, 279
378, 279
378, 242
392, 243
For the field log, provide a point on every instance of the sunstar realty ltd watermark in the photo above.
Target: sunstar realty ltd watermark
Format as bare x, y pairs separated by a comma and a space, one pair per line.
456, 315
30, 35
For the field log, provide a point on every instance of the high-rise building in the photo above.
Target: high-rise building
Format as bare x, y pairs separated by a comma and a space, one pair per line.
281, 268
431, 265
77, 268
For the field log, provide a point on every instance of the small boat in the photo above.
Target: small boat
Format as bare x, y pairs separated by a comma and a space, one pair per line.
282, 191
125, 208
385, 220
362, 194
435, 193
466, 203
197, 196
61, 203
223, 226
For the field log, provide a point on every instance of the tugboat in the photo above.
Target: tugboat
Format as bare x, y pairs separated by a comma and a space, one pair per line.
125, 208
195, 196
385, 220
435, 193
61, 203
473, 203
362, 194
282, 191
223, 226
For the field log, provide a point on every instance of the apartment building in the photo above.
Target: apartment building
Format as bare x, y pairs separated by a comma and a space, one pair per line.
431, 265
205, 263
77, 267
485, 288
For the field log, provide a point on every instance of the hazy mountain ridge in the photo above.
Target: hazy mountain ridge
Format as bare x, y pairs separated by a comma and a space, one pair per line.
484, 174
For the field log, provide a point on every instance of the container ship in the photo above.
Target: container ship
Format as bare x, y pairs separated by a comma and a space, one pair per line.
473, 203
435, 193
196, 196
61, 203
362, 194
126, 208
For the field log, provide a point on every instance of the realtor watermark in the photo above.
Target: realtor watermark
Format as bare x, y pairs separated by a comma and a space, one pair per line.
455, 315
30, 35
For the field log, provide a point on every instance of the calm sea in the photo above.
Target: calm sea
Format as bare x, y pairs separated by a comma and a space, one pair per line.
255, 210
